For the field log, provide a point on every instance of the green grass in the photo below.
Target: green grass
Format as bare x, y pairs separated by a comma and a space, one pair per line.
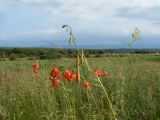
133, 87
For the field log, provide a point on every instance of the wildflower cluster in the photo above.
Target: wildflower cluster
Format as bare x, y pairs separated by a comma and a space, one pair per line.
68, 75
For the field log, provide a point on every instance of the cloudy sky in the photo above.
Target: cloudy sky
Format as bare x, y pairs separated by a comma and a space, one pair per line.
29, 23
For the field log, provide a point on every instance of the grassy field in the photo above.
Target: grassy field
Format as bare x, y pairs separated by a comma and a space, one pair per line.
133, 86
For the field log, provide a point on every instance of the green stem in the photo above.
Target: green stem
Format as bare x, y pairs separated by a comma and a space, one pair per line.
104, 90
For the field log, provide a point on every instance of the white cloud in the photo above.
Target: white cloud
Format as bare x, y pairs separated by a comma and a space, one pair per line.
83, 9
92, 15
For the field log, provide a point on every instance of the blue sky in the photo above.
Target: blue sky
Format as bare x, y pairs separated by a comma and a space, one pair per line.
27, 23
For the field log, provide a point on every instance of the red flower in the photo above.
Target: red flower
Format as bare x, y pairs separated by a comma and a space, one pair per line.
86, 84
35, 68
55, 81
69, 75
99, 73
55, 77
54, 71
52, 78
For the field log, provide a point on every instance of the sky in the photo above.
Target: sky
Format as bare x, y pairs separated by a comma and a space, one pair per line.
38, 23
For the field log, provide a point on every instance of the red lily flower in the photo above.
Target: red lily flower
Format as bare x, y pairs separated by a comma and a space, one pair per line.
35, 67
54, 71
55, 81
99, 73
55, 77
86, 84
69, 75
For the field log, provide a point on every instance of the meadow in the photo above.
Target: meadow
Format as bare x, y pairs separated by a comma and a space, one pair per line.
132, 84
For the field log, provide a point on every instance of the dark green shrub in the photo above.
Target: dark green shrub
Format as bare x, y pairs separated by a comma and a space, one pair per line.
12, 57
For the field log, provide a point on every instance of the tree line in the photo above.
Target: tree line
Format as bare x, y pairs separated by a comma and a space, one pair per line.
52, 53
